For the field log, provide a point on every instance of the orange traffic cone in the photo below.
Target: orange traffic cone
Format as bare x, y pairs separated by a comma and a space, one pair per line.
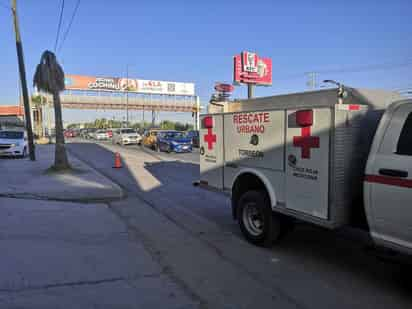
117, 161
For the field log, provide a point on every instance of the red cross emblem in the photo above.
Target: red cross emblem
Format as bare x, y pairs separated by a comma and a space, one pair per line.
210, 138
306, 142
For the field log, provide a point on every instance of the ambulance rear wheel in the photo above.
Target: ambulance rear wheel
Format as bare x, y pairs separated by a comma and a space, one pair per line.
256, 220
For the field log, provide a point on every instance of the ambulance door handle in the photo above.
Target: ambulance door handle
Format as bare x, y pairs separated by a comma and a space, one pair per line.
232, 165
393, 173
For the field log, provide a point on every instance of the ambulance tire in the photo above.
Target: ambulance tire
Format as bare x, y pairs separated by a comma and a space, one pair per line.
256, 220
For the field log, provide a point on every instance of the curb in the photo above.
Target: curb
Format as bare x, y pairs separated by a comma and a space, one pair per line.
30, 196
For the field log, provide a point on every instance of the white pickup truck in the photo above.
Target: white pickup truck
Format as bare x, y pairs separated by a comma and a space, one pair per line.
13, 143
322, 157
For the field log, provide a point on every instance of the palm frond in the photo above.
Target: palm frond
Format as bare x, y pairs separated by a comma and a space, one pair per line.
49, 75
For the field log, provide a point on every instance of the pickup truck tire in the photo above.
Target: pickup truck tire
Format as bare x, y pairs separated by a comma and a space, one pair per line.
256, 220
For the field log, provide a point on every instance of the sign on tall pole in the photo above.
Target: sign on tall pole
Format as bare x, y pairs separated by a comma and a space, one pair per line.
250, 69
22, 71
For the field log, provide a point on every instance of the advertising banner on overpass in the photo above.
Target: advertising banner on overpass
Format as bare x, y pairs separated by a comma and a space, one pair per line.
88, 83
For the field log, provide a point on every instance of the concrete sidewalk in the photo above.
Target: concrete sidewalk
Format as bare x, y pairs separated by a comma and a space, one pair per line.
68, 255
26, 179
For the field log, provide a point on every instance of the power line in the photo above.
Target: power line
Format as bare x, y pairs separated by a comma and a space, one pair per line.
70, 25
59, 26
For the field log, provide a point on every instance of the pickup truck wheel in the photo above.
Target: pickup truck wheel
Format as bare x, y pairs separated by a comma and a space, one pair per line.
256, 220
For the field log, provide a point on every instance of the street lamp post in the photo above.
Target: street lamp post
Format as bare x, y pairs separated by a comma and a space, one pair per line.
341, 89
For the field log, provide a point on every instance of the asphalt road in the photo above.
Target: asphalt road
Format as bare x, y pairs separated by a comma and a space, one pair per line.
314, 268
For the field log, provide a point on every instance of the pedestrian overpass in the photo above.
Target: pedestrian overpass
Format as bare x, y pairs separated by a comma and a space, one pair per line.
114, 101
130, 102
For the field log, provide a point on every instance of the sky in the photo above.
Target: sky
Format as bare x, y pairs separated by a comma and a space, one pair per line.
194, 41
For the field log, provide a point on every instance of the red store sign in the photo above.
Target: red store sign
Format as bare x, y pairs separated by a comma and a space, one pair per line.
249, 68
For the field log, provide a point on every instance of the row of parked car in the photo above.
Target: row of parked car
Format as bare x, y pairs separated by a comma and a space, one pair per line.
156, 139
170, 140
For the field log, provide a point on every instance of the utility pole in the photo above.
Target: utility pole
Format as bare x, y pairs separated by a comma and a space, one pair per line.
143, 115
22, 71
311, 82
153, 118
127, 96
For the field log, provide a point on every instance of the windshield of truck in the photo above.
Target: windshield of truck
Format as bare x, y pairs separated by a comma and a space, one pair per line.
11, 135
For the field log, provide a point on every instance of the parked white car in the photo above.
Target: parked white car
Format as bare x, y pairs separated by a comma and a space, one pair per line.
126, 136
101, 135
13, 143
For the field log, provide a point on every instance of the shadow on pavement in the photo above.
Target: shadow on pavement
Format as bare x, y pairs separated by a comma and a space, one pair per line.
333, 258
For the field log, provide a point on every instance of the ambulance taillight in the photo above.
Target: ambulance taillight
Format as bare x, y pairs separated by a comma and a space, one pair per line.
304, 118
208, 122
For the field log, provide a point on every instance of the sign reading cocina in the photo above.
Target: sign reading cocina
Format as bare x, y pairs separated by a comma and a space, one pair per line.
251, 122
104, 83
79, 82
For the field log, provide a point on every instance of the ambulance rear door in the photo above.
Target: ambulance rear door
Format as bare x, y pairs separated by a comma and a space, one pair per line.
257, 141
211, 150
307, 156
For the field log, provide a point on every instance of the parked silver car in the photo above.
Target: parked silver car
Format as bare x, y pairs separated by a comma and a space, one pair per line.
101, 135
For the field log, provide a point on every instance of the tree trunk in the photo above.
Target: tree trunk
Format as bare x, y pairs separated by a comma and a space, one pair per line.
60, 158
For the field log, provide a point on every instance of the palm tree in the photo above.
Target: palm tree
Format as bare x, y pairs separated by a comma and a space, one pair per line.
49, 77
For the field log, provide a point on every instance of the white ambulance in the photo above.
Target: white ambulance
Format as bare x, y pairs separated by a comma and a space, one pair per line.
328, 159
